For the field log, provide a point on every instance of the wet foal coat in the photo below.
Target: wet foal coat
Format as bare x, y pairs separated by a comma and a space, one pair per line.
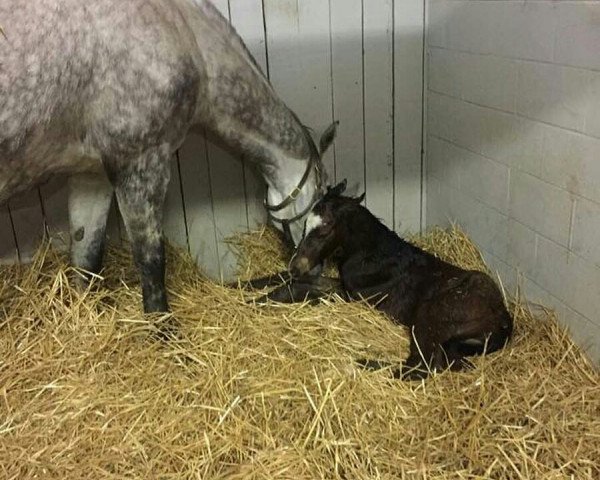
451, 312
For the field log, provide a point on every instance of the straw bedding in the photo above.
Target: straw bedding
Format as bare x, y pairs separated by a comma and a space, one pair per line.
271, 392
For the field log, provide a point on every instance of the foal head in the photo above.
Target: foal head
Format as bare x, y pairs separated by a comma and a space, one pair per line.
324, 229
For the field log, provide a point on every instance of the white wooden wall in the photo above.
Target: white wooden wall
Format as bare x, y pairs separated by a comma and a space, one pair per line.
356, 61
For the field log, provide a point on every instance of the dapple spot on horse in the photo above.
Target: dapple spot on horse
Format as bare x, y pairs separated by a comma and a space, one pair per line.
106, 91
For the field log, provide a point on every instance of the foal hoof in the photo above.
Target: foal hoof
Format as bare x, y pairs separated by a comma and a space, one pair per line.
281, 294
414, 372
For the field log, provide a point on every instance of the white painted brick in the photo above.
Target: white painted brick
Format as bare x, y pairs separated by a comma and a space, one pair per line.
499, 268
569, 277
572, 161
523, 29
578, 34
440, 115
541, 206
468, 26
467, 125
586, 231
534, 294
437, 12
486, 226
553, 269
521, 247
435, 206
488, 80
585, 288
485, 179
483, 79
584, 332
501, 136
444, 74
484, 131
592, 114
554, 94
513, 29
444, 161
524, 149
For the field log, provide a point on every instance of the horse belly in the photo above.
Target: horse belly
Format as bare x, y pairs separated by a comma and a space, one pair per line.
41, 160
105, 83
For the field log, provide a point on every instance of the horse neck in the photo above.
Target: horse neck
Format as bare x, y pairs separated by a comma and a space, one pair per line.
281, 154
238, 105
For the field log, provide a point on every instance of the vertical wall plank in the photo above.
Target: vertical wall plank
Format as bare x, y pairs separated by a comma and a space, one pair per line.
28, 221
408, 104
174, 218
8, 248
346, 47
377, 34
227, 184
198, 204
55, 200
247, 19
299, 61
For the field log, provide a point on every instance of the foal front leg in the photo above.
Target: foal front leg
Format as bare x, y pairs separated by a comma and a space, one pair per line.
263, 282
141, 186
272, 280
305, 289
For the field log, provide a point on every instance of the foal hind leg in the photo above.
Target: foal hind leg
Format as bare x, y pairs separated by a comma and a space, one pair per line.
141, 186
423, 356
90, 196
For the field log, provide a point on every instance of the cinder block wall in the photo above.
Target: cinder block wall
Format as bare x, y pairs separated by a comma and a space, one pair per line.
513, 144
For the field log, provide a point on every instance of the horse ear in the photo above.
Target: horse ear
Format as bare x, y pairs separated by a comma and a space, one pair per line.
360, 198
327, 137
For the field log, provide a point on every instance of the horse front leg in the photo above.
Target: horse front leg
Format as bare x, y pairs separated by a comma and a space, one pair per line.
90, 197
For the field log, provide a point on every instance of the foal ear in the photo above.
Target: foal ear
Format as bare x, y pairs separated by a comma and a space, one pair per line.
338, 189
327, 137
360, 198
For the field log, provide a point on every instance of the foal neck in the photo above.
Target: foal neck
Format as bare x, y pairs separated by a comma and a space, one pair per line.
366, 233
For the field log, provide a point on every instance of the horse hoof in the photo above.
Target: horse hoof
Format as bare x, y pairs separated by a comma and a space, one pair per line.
80, 280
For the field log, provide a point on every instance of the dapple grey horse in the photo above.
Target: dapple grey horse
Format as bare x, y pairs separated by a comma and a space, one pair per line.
106, 91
